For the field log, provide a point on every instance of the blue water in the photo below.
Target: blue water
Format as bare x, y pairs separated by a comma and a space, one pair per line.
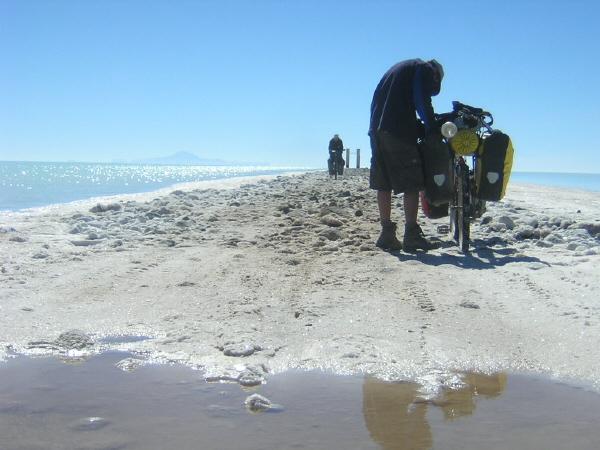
34, 184
585, 181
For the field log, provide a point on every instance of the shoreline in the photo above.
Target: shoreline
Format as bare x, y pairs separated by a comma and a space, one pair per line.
223, 183
231, 183
267, 275
219, 183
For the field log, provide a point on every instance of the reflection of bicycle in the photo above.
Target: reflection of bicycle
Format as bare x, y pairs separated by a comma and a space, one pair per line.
469, 132
335, 163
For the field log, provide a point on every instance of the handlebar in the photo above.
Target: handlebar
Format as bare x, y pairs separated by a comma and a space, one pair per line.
485, 118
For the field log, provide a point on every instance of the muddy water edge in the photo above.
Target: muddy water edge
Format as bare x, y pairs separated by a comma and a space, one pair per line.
100, 403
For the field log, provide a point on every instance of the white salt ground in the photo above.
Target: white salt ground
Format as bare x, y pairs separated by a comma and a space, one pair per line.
246, 278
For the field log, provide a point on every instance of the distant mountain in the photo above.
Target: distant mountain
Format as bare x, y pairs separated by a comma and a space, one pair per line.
189, 159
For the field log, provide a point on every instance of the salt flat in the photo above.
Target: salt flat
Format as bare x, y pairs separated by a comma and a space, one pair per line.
245, 278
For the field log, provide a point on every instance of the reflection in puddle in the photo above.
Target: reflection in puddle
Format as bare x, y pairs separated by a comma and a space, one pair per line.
396, 417
123, 339
392, 416
45, 404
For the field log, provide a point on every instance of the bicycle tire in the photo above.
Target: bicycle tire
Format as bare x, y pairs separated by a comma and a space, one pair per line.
465, 220
335, 168
461, 219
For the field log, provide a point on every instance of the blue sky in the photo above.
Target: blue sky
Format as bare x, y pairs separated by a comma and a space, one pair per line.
272, 80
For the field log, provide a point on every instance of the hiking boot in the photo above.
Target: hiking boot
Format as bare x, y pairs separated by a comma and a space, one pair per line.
414, 239
388, 240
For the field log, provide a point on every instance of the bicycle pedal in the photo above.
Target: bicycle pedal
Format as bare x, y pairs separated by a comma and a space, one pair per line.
443, 229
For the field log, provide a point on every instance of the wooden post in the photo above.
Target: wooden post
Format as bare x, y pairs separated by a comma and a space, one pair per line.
358, 158
347, 158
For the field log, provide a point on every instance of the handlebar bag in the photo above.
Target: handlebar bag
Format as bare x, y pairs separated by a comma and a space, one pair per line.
437, 169
493, 166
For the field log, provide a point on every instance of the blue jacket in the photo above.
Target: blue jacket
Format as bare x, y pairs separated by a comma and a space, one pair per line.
405, 90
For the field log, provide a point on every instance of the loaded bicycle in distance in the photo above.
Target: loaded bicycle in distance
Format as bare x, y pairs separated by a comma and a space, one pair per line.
466, 167
336, 163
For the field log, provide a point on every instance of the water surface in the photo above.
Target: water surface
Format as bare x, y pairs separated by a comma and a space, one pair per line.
48, 404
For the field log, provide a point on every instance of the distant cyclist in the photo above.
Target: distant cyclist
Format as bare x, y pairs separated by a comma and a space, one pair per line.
336, 149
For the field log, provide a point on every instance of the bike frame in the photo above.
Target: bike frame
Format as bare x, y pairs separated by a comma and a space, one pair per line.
465, 207
336, 159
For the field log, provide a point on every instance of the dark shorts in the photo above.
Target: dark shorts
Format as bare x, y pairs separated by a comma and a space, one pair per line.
395, 164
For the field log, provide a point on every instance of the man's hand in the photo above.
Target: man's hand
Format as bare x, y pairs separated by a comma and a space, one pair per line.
436, 133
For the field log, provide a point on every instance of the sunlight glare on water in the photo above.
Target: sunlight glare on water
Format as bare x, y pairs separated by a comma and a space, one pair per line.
30, 184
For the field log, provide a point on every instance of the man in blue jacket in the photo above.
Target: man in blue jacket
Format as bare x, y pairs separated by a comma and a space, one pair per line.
404, 91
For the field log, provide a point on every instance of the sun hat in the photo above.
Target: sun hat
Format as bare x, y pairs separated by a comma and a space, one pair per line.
439, 67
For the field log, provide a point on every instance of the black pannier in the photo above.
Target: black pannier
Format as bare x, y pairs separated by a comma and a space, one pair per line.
493, 167
437, 169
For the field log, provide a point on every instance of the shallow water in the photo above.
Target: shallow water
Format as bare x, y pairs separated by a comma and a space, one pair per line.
25, 184
48, 404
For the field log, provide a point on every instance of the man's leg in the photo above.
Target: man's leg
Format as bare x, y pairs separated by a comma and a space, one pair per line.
413, 235
384, 202
387, 240
379, 179
411, 207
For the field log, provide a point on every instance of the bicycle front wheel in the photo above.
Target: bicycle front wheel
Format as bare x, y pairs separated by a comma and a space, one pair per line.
461, 220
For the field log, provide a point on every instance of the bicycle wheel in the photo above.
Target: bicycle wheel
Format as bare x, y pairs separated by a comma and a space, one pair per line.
461, 219
335, 167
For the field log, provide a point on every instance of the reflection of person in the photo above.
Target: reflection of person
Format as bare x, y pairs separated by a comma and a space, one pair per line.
336, 148
405, 90
396, 417
392, 417
457, 403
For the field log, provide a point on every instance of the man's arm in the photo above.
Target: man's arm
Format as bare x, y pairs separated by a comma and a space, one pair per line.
423, 88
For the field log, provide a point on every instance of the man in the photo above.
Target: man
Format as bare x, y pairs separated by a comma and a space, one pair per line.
336, 143
336, 148
405, 90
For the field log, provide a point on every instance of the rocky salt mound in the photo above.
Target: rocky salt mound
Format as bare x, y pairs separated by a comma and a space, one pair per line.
327, 215
339, 216
512, 224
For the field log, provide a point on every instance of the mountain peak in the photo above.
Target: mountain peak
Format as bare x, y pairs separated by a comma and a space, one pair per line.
183, 158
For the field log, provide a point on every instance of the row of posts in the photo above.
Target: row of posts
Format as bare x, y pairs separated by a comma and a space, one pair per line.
348, 158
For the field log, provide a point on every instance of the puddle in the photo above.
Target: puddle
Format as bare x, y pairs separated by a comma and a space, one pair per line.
46, 404
122, 339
